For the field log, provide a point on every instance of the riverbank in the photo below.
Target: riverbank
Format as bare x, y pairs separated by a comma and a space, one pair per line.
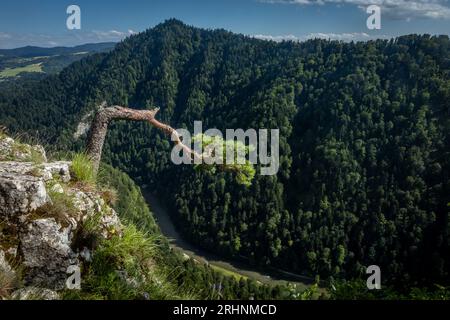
233, 268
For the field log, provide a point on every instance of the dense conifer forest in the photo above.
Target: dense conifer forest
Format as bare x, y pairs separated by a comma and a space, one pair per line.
364, 143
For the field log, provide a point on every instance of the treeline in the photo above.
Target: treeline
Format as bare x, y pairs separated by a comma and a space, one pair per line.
364, 143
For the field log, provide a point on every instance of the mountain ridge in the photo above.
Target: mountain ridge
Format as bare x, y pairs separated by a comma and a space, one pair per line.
34, 51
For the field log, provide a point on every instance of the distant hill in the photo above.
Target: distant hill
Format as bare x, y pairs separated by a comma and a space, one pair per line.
30, 51
28, 63
364, 147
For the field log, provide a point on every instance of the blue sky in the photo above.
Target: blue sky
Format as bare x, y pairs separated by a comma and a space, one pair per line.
44, 22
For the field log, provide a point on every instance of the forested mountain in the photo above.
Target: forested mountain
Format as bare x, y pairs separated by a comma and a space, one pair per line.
364, 143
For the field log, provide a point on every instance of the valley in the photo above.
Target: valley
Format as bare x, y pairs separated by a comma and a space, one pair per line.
231, 268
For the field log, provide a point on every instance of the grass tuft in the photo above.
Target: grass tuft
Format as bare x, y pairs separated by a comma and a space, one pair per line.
60, 207
3, 132
124, 268
108, 194
10, 280
82, 170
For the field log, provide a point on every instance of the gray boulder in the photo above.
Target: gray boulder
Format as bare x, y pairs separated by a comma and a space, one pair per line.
20, 194
46, 252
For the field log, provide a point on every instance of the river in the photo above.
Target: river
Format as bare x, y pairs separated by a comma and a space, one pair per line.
272, 277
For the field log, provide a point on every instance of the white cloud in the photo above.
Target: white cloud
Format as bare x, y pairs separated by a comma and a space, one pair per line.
346, 37
354, 36
5, 35
396, 9
288, 37
112, 34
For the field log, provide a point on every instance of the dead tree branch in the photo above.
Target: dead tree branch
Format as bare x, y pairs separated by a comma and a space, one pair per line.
103, 118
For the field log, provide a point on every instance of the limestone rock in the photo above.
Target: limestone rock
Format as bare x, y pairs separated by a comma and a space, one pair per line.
91, 205
58, 169
46, 171
34, 293
20, 194
22, 185
42, 216
46, 252
13, 150
84, 125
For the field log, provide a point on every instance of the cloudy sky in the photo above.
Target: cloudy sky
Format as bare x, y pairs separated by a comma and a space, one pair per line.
43, 23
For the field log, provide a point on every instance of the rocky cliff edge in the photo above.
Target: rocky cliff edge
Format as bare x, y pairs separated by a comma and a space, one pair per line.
45, 216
